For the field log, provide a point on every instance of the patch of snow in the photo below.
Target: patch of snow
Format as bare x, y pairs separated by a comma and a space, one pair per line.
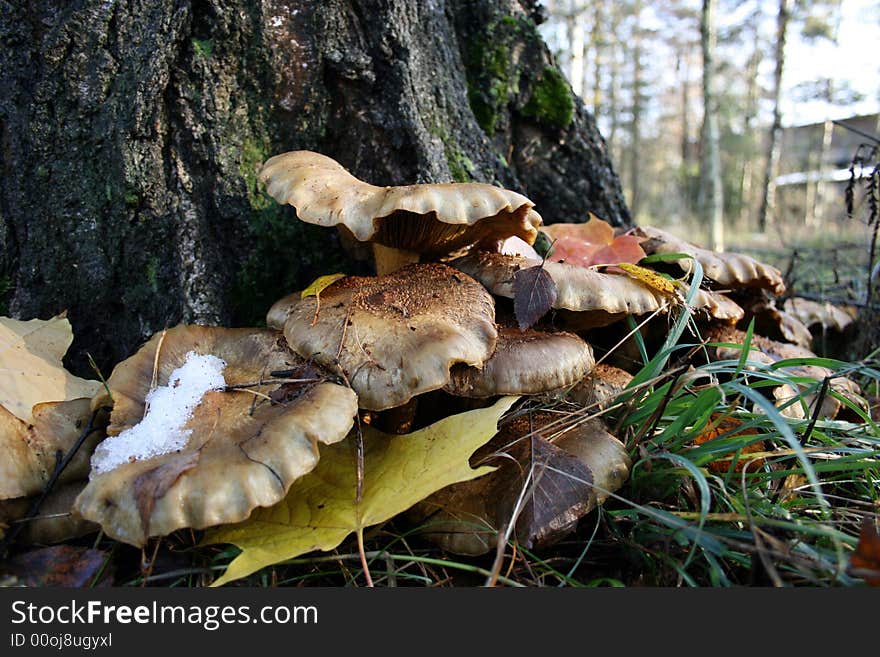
169, 408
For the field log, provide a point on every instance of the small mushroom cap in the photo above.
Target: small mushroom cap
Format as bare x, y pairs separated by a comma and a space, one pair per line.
732, 270
396, 336
280, 310
525, 363
578, 289
246, 448
30, 450
429, 218
717, 306
601, 386
812, 313
772, 322
766, 351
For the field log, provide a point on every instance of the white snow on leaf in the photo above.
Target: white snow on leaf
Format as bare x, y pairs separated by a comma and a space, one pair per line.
169, 408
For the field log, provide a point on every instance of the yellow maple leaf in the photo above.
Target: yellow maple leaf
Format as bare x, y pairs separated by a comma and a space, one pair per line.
649, 277
315, 289
30, 365
320, 509
319, 284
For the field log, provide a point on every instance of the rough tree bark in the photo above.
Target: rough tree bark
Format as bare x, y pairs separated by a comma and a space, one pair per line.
132, 131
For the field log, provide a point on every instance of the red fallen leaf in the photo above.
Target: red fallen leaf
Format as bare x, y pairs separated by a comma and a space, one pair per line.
592, 243
866, 559
59, 565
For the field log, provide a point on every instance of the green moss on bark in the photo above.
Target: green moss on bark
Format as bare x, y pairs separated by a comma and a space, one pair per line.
492, 72
550, 102
283, 253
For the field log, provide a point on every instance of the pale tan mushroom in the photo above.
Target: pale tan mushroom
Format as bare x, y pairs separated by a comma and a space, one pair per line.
598, 298
825, 315
396, 336
280, 310
525, 363
249, 441
712, 305
403, 222
726, 269
774, 323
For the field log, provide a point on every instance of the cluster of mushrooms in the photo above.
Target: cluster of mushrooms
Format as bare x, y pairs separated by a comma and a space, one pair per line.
433, 333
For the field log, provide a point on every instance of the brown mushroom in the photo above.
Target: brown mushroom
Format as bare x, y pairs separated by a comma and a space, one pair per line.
550, 474
525, 363
402, 222
249, 441
396, 336
815, 314
778, 324
600, 298
726, 269
600, 387
54, 522
766, 351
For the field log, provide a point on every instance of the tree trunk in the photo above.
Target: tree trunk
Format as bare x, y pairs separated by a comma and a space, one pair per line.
132, 132
768, 197
751, 112
635, 148
711, 188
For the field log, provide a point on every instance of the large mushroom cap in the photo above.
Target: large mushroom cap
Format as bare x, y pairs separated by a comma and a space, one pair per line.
396, 336
608, 296
525, 363
246, 448
429, 218
727, 269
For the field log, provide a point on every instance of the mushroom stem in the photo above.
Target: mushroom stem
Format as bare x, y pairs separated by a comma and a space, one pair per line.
388, 260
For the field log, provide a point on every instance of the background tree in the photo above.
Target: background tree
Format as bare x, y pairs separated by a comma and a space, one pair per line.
711, 189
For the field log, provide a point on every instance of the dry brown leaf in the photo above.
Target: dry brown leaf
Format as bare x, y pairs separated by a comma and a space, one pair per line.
534, 293
866, 558
729, 427
30, 365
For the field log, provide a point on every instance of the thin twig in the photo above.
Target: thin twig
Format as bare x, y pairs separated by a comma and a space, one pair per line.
154, 381
59, 468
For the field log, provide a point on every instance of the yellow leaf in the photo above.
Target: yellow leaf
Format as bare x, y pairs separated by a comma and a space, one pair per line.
320, 509
319, 284
30, 365
649, 277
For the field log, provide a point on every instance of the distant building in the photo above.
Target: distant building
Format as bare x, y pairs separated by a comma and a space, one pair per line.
814, 167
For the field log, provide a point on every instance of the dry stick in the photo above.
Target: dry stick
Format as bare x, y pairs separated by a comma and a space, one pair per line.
267, 382
820, 398
59, 468
154, 382
149, 569
359, 491
629, 335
